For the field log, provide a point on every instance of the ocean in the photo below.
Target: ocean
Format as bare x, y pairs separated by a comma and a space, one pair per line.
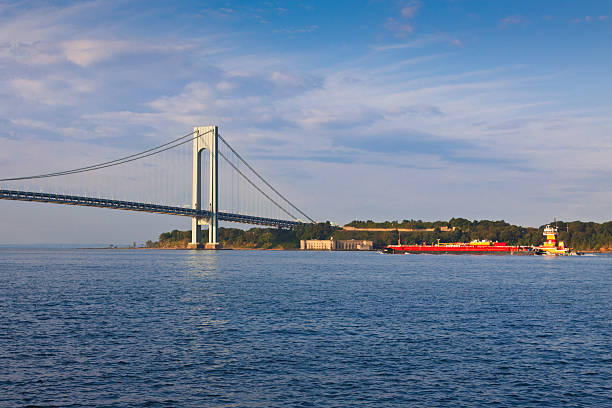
154, 328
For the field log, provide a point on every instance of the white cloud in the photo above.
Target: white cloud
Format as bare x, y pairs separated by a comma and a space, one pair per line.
87, 52
35, 90
52, 90
411, 8
30, 25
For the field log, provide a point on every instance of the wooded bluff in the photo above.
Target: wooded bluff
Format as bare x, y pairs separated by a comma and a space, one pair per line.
583, 236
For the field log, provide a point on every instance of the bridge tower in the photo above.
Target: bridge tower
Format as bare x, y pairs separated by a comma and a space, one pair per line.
205, 137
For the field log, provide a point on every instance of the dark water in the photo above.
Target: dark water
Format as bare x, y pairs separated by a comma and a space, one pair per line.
247, 328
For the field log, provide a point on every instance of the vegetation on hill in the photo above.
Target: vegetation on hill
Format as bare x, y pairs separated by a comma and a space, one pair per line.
576, 234
414, 224
260, 238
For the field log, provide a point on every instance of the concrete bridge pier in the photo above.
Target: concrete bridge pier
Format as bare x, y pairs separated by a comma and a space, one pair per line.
205, 137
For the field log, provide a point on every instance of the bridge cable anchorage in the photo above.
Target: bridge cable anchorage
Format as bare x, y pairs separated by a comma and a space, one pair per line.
116, 162
261, 178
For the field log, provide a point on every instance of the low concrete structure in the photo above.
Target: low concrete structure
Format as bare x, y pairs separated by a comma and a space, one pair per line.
354, 245
336, 245
317, 244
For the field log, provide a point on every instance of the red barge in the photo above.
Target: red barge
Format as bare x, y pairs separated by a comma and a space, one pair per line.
474, 247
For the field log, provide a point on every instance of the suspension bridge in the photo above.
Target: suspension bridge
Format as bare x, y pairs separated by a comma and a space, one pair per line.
157, 181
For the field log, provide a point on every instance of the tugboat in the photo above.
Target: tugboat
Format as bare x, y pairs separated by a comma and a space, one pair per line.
551, 246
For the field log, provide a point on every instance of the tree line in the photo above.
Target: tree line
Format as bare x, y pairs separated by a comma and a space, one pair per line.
576, 234
260, 238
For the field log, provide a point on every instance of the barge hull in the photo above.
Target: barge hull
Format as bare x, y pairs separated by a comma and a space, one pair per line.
493, 249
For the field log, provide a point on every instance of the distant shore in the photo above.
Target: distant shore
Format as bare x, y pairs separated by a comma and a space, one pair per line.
188, 249
607, 251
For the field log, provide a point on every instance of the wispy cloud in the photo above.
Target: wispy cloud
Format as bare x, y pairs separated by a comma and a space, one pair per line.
52, 90
221, 12
511, 20
307, 29
401, 26
419, 42
410, 9
589, 19
87, 52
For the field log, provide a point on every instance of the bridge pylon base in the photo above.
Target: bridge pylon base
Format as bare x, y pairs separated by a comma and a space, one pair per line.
199, 245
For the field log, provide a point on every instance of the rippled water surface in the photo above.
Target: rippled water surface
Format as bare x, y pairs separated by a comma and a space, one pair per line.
264, 328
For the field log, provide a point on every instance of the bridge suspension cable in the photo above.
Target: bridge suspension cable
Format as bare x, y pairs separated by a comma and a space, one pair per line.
256, 200
262, 179
255, 186
133, 157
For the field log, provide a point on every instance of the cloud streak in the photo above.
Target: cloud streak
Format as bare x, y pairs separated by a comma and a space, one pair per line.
402, 26
511, 20
590, 19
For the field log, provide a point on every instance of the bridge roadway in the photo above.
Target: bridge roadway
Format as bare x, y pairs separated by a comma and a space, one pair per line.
141, 207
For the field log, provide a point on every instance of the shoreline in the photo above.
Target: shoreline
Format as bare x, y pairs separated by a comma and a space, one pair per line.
7, 246
189, 249
270, 249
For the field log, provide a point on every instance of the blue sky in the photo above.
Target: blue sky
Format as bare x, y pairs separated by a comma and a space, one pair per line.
354, 109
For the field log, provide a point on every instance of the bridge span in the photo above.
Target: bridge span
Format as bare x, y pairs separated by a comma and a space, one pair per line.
250, 200
143, 207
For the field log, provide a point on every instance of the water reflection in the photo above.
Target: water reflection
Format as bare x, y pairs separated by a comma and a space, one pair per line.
202, 264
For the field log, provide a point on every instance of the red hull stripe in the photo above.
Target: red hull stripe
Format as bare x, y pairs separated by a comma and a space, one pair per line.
464, 248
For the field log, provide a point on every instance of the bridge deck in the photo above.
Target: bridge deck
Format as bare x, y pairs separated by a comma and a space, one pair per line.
141, 207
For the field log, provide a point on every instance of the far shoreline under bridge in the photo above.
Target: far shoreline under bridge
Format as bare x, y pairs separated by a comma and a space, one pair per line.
247, 186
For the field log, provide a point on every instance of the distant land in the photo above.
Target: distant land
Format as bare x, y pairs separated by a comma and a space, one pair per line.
583, 236
60, 246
